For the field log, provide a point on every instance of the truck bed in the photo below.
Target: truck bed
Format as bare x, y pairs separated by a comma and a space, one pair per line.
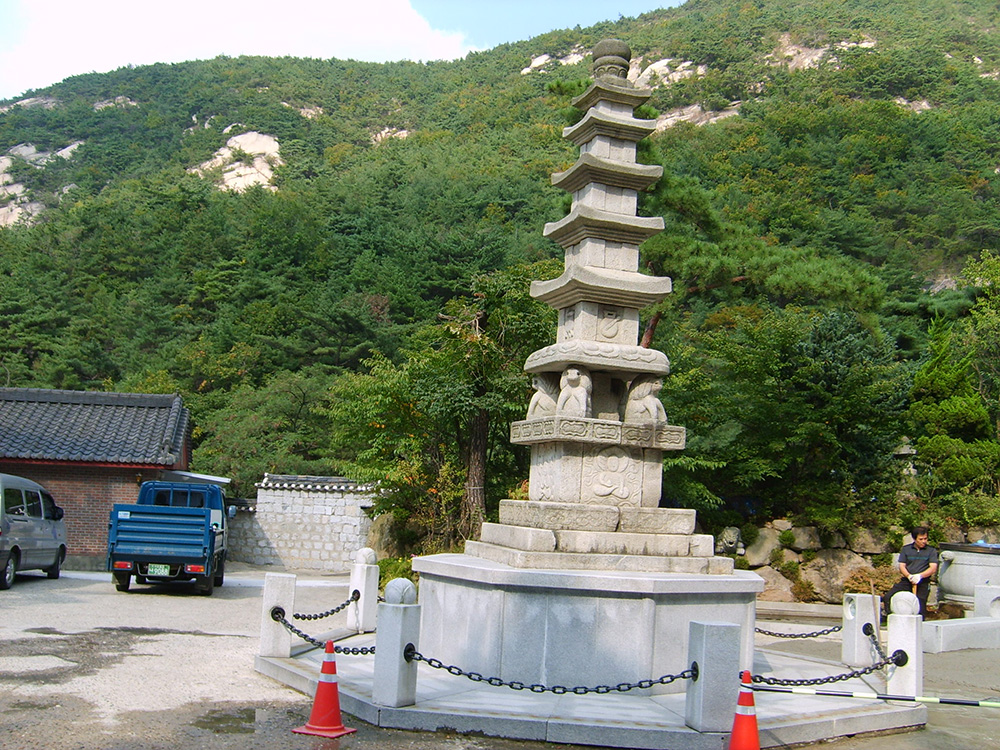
160, 533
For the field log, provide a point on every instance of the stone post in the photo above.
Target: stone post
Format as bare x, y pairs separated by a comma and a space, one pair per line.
987, 601
906, 634
711, 699
364, 579
395, 679
855, 646
279, 591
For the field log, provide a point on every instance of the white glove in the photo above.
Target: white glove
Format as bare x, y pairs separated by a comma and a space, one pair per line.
915, 578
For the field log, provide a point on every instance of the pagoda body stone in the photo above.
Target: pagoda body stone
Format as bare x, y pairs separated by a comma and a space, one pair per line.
589, 580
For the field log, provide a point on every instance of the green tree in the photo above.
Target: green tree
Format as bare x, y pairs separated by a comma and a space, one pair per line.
787, 411
956, 445
438, 420
276, 428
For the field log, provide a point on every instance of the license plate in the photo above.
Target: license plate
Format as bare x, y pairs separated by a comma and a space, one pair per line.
158, 570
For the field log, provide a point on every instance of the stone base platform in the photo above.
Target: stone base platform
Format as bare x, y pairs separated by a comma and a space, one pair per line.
564, 626
450, 703
585, 536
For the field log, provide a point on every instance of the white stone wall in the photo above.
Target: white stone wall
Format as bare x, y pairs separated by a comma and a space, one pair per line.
307, 523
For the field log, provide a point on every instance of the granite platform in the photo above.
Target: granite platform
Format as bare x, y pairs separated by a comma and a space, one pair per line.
635, 719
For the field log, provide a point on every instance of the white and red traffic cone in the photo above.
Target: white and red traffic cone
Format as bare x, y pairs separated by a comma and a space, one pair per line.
745, 735
325, 721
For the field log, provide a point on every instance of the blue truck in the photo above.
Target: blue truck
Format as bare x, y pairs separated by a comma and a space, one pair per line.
176, 531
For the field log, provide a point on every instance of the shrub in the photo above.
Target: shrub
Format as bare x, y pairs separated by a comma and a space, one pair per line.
395, 567
749, 533
808, 555
740, 562
790, 570
777, 558
861, 580
882, 560
786, 538
803, 591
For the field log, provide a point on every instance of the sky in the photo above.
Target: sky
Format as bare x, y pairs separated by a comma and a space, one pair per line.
44, 41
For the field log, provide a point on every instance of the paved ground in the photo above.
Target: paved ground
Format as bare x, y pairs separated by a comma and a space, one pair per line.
83, 667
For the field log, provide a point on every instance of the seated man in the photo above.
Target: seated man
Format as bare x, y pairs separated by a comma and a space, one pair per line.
917, 563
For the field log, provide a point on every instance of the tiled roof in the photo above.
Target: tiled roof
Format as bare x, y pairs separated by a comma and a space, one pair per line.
303, 482
127, 428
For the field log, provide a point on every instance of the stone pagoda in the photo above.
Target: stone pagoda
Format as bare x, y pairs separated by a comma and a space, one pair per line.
589, 564
596, 427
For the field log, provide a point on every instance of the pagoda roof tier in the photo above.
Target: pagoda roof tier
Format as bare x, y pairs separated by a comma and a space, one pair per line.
599, 356
590, 168
606, 286
596, 123
604, 90
586, 221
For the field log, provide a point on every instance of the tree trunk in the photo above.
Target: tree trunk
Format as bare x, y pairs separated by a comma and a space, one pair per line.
474, 499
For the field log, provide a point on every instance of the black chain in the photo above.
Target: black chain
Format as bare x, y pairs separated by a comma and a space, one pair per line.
355, 595
278, 615
899, 658
834, 629
411, 654
869, 630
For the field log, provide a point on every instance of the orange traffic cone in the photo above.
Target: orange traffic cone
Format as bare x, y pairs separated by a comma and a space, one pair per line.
325, 720
744, 735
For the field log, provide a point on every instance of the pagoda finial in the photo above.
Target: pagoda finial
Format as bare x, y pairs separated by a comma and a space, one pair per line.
611, 60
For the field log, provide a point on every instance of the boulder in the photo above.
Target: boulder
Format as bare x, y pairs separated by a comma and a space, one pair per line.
777, 588
834, 540
759, 553
806, 537
781, 524
790, 555
953, 535
829, 570
988, 534
867, 542
382, 537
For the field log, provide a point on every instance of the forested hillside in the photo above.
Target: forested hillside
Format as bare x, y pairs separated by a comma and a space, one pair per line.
830, 193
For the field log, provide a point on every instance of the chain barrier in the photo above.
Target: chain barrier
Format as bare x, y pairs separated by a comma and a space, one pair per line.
278, 615
355, 595
410, 653
834, 629
869, 630
898, 659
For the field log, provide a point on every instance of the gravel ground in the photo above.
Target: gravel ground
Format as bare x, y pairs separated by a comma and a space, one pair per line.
84, 667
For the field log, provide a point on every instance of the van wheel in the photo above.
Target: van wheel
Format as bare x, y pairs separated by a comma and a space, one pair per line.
123, 581
9, 571
53, 572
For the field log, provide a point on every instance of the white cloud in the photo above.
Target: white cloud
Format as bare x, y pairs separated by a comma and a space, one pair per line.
44, 42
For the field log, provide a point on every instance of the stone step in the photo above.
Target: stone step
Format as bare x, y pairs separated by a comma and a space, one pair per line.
597, 542
583, 561
587, 517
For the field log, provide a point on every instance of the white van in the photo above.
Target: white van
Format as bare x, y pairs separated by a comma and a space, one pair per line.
32, 532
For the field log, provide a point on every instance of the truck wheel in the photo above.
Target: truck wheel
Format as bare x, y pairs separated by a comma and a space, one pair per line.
53, 571
220, 574
123, 581
9, 571
206, 584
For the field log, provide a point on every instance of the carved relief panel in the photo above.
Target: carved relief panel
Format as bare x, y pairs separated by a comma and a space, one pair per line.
612, 476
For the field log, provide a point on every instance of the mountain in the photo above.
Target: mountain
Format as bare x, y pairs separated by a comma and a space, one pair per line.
212, 225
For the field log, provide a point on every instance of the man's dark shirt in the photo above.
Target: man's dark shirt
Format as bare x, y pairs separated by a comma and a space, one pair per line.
918, 560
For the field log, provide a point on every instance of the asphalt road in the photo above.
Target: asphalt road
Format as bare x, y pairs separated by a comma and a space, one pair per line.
84, 667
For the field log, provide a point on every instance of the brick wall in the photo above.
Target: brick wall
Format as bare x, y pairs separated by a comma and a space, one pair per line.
86, 494
306, 523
